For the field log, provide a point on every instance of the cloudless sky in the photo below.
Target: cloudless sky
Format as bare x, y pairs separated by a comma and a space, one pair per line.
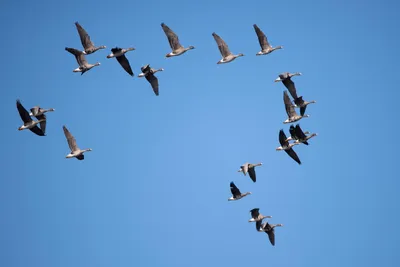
154, 190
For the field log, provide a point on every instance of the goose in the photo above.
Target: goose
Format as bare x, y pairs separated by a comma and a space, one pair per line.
268, 229
81, 59
119, 54
227, 56
76, 152
293, 134
177, 48
248, 167
285, 78
28, 122
236, 194
300, 103
149, 74
257, 216
266, 48
39, 113
292, 115
287, 147
301, 136
87, 44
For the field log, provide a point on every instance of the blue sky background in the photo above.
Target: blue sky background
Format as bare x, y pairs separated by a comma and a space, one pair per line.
154, 190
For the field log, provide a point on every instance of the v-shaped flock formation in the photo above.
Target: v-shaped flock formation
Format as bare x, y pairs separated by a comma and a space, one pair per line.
296, 133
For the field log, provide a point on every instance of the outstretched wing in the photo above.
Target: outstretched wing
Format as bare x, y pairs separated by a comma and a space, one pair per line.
288, 105
290, 86
223, 47
153, 81
255, 213
252, 173
293, 155
79, 56
37, 130
234, 190
23, 113
299, 132
124, 62
172, 37
84, 36
282, 138
262, 39
70, 139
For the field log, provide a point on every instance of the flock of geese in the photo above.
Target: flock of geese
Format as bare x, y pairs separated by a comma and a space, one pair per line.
296, 133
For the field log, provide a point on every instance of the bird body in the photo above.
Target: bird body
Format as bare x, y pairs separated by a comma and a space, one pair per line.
149, 72
81, 59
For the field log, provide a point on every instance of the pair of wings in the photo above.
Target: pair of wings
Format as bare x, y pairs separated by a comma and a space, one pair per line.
26, 118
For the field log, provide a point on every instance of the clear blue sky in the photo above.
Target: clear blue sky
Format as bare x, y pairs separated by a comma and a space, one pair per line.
154, 190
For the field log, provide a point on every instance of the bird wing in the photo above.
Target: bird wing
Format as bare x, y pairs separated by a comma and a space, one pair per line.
223, 47
245, 168
299, 132
258, 225
172, 37
303, 110
145, 68
293, 155
80, 157
271, 236
262, 39
42, 123
115, 50
35, 110
70, 139
37, 130
79, 56
252, 173
124, 62
292, 132
255, 213
290, 86
288, 105
234, 190
85, 38
23, 113
153, 81
282, 138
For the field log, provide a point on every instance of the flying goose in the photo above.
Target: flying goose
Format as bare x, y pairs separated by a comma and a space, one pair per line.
257, 216
248, 167
81, 59
287, 147
291, 113
227, 56
39, 113
266, 48
301, 136
28, 122
285, 78
268, 229
87, 44
292, 132
119, 54
236, 194
300, 103
149, 74
76, 152
177, 48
